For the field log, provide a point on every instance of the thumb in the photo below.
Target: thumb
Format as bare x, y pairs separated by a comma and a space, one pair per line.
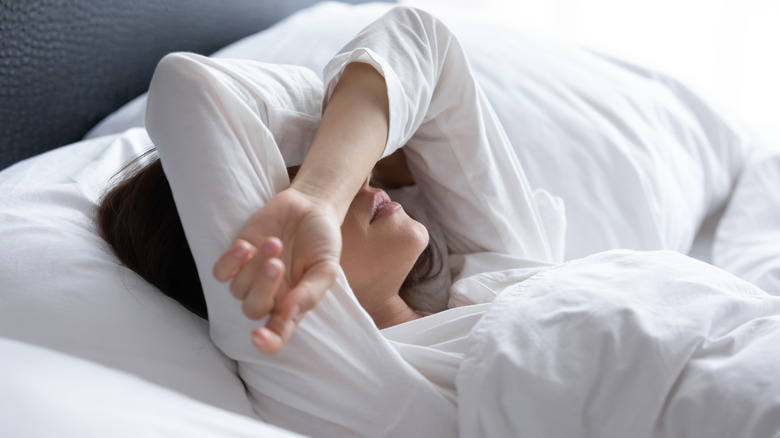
302, 298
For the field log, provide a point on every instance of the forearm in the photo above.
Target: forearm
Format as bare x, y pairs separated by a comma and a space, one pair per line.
459, 154
349, 140
287, 254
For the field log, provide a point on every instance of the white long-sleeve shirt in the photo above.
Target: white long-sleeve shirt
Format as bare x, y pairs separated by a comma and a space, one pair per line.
227, 129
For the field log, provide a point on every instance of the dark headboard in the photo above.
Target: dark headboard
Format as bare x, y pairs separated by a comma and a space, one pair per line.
66, 64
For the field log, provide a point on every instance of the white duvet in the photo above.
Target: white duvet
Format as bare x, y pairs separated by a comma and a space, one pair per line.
625, 344
747, 241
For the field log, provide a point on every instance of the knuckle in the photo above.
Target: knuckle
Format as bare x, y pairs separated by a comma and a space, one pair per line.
251, 311
308, 297
236, 290
275, 324
307, 301
281, 327
256, 308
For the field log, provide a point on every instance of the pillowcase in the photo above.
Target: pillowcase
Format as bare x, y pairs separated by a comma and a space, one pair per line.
639, 159
79, 398
62, 287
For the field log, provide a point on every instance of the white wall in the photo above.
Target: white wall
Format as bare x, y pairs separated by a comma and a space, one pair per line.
729, 49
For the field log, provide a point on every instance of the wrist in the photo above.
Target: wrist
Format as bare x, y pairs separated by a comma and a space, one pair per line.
349, 141
332, 199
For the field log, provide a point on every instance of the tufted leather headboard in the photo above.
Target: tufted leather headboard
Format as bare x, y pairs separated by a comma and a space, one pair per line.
66, 64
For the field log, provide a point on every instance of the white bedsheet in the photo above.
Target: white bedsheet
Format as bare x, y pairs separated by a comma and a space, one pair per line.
625, 344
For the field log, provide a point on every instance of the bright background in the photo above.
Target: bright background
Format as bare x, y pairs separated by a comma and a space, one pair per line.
729, 50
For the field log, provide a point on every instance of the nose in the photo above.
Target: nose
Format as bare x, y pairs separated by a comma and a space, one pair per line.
366, 189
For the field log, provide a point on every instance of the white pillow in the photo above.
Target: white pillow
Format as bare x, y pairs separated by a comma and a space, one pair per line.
62, 288
47, 394
638, 158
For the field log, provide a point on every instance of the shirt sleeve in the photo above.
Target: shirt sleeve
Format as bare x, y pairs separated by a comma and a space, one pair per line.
219, 127
457, 150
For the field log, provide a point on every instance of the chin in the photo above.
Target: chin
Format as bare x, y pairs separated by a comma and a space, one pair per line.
422, 235
409, 244
415, 235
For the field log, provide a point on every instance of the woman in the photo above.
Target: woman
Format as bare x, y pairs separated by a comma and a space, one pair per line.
331, 188
227, 131
146, 234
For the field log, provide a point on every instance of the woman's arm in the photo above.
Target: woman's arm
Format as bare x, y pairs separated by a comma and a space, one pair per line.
454, 144
221, 129
349, 141
298, 230
419, 92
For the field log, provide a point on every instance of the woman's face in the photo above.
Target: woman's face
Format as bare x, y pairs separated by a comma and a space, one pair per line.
381, 242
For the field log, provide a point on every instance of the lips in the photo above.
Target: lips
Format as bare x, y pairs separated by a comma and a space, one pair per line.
379, 200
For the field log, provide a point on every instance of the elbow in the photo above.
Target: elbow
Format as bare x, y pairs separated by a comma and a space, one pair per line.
178, 79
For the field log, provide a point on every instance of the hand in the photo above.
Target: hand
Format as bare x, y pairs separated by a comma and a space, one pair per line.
283, 261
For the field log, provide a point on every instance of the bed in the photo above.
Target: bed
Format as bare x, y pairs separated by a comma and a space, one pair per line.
653, 171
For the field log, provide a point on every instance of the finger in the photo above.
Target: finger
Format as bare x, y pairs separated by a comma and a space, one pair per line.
271, 338
271, 247
281, 323
310, 289
233, 259
278, 329
265, 286
243, 281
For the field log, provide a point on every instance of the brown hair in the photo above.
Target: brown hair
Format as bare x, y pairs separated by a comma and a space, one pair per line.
138, 219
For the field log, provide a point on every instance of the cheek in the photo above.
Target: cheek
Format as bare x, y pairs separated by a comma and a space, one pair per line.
370, 254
